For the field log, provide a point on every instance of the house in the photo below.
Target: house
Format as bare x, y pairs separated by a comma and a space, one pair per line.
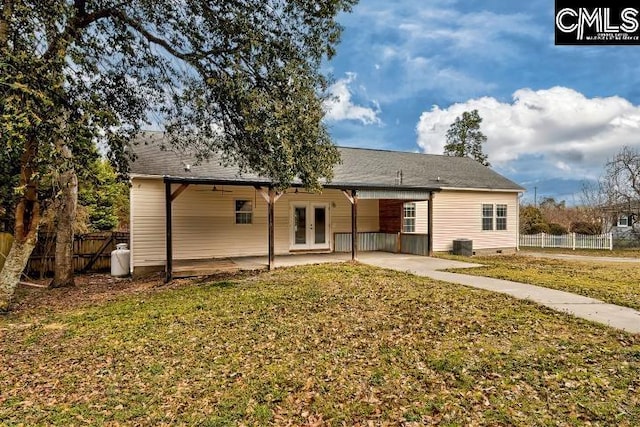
622, 223
377, 200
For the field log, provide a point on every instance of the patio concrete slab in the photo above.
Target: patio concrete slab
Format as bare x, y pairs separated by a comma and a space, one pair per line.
260, 262
586, 308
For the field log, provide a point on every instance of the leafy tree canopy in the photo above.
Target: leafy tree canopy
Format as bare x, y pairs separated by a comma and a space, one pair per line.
240, 77
464, 138
104, 197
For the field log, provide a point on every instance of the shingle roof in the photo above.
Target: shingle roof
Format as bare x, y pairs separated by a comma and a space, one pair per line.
360, 168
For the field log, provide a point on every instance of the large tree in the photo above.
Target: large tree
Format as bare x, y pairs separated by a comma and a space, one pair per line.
620, 184
239, 77
464, 138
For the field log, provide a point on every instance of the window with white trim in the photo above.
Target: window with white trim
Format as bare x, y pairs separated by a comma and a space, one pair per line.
501, 217
623, 221
487, 217
244, 211
409, 218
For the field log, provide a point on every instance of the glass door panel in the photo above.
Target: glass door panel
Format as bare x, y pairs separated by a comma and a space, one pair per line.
320, 224
300, 219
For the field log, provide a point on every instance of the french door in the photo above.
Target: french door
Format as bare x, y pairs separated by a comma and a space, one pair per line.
309, 225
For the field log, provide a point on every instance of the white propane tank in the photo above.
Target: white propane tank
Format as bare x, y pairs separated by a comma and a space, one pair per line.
120, 261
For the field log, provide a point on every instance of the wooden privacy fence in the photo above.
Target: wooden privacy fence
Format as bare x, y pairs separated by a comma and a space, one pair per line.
6, 240
569, 241
91, 252
416, 244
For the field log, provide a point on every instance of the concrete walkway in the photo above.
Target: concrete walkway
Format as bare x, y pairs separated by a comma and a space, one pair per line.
586, 308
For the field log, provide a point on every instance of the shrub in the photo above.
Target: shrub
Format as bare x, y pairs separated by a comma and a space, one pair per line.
584, 227
540, 227
557, 229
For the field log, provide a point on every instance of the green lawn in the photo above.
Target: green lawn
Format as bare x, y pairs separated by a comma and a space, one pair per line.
616, 283
318, 345
625, 253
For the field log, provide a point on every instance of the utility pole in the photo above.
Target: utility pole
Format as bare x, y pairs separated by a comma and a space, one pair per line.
535, 197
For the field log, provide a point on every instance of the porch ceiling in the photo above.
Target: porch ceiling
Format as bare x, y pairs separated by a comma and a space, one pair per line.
394, 194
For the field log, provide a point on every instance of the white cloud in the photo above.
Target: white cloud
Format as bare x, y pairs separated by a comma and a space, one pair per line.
570, 133
341, 107
427, 46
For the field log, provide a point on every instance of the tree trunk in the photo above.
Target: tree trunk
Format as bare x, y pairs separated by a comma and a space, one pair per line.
66, 215
26, 228
13, 268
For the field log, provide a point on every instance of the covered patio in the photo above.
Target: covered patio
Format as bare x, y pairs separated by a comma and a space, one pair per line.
341, 247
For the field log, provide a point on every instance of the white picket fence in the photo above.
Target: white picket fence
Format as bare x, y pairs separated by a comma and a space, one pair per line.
569, 241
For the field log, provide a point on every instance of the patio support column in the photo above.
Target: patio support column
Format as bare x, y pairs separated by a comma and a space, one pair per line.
168, 201
168, 229
271, 202
354, 225
430, 225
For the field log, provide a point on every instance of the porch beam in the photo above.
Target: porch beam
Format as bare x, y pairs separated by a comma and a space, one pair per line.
430, 225
168, 231
264, 192
354, 225
178, 191
348, 196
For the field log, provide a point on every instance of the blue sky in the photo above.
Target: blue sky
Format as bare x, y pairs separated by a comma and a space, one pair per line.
553, 114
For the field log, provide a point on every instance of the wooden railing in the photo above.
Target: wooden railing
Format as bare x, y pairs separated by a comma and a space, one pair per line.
416, 244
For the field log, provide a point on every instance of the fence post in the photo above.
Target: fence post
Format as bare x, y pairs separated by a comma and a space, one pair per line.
542, 240
573, 235
610, 241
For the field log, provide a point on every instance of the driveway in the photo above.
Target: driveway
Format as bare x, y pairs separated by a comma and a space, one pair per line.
586, 308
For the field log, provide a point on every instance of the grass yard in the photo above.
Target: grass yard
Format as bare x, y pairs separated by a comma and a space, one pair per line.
625, 253
317, 345
616, 283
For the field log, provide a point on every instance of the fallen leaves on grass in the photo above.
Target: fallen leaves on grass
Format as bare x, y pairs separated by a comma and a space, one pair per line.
318, 345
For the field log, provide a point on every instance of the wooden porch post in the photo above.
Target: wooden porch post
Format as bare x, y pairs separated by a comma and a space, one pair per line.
271, 202
430, 225
169, 198
354, 225
169, 241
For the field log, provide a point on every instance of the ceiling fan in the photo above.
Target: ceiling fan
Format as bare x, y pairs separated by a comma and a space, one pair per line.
216, 189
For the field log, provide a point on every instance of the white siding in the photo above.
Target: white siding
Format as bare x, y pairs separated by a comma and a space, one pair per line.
204, 221
422, 217
458, 215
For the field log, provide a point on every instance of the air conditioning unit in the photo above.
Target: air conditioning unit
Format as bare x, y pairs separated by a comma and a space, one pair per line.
463, 247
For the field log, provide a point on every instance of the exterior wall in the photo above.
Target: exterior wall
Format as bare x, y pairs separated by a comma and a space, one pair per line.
391, 216
458, 215
204, 221
422, 217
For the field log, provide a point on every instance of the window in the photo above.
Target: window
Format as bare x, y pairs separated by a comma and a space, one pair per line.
501, 217
244, 212
409, 218
623, 221
487, 217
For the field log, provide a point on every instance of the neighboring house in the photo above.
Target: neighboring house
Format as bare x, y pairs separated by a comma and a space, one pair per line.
396, 198
623, 226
